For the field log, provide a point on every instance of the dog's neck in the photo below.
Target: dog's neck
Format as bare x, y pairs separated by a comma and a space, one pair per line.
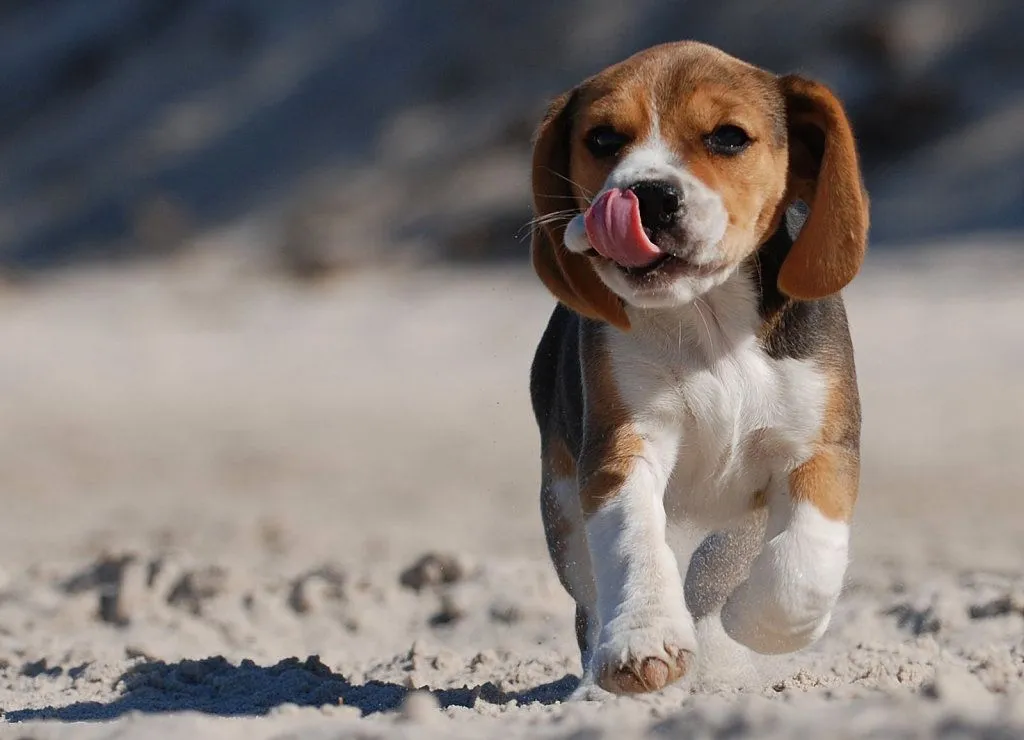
731, 316
721, 321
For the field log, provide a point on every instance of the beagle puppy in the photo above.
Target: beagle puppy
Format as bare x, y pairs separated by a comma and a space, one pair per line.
696, 218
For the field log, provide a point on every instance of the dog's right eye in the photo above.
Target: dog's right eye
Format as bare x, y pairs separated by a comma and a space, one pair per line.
604, 141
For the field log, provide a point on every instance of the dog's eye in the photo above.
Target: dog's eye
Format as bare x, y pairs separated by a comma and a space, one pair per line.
604, 141
727, 140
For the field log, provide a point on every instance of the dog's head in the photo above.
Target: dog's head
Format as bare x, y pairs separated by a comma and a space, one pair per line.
656, 179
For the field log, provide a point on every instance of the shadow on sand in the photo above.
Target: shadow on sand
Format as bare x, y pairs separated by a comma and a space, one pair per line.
215, 686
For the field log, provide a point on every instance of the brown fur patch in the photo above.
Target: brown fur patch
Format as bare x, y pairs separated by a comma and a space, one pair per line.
842, 416
720, 91
825, 173
610, 446
570, 277
618, 98
829, 481
769, 325
560, 460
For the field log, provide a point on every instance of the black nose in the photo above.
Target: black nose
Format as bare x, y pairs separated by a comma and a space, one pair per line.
659, 202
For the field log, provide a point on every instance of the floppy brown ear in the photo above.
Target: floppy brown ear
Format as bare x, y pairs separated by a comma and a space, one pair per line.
569, 276
825, 174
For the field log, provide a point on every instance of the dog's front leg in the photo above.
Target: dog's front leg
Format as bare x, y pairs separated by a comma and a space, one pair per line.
647, 638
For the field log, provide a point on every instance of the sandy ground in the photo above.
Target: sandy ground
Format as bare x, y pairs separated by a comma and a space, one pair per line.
205, 481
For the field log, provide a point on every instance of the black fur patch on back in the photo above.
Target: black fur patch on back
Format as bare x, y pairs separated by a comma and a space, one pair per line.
556, 379
797, 329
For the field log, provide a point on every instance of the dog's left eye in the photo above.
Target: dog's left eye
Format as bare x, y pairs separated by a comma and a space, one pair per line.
727, 140
604, 141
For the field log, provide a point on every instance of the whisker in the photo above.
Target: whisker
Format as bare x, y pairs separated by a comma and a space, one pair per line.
697, 300
556, 195
562, 212
550, 217
547, 218
587, 195
760, 274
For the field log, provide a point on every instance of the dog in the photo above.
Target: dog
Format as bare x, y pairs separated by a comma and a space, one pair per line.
696, 218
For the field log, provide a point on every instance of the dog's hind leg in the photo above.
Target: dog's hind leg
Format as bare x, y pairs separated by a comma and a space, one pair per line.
566, 537
718, 565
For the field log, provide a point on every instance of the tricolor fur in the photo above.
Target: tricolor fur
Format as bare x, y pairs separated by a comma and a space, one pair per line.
711, 380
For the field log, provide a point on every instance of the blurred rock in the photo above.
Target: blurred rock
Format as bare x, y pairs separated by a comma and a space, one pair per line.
449, 612
1011, 604
433, 569
107, 578
195, 587
312, 590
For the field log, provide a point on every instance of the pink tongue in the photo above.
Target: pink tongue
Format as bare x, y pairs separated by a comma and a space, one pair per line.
614, 229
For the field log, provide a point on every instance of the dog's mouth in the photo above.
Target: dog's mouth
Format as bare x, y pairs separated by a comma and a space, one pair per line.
645, 257
667, 265
618, 236
639, 271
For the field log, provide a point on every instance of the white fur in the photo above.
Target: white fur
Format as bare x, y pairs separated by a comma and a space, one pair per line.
640, 604
721, 421
787, 600
741, 416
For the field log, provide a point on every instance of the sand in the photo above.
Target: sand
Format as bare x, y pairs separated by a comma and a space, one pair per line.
234, 507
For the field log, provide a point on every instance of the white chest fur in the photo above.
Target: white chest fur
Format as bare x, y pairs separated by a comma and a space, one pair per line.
722, 420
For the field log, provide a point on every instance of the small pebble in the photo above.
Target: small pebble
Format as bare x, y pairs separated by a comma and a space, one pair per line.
285, 709
419, 706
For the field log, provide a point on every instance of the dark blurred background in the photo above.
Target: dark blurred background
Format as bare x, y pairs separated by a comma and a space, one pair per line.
338, 133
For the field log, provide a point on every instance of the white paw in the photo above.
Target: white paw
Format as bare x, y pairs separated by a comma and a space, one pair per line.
784, 605
771, 630
641, 652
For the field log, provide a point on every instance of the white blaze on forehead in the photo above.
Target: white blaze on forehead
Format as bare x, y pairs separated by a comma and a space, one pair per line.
650, 159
